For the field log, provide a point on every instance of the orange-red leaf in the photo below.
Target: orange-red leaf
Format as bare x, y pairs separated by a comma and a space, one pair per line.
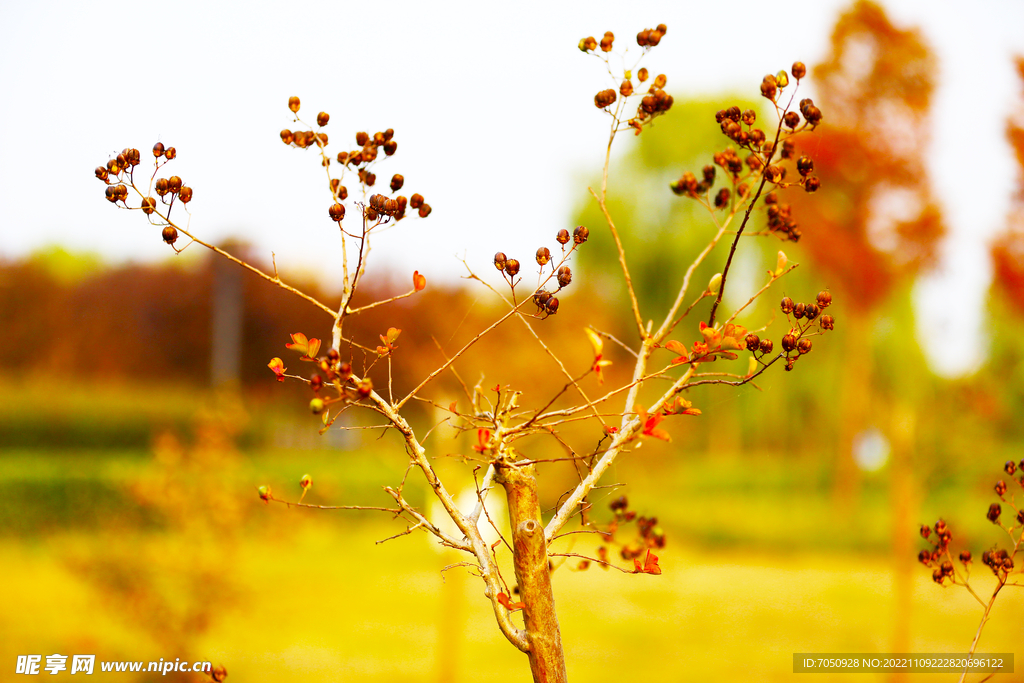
418, 281
483, 437
509, 605
676, 347
314, 348
299, 343
651, 564
277, 365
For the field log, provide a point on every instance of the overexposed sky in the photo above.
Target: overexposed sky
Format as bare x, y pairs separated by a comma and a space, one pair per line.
492, 105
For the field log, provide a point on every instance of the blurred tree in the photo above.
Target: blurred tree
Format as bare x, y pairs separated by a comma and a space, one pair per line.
880, 225
1007, 292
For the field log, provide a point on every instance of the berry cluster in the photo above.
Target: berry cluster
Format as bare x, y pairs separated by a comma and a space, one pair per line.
654, 102
764, 157
121, 170
998, 560
363, 161
337, 374
649, 536
795, 343
546, 301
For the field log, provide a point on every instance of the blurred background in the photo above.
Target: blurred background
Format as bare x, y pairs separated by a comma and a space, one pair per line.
138, 415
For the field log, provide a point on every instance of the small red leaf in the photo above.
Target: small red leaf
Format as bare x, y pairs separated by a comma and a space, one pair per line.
651, 564
451, 407
277, 366
418, 281
507, 604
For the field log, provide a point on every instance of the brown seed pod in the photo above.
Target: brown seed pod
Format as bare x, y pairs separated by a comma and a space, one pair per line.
499, 260
722, 198
543, 256
122, 161
804, 165
169, 234
371, 214
812, 311
604, 98
799, 310
588, 44
804, 346
607, 41
564, 276
378, 138
540, 297
965, 556
798, 70
766, 346
812, 184
563, 236
293, 104
397, 181
185, 194
580, 234
390, 147
642, 74
174, 184
512, 267
752, 341
1000, 488
102, 173
122, 191
994, 510
114, 167
336, 212
787, 305
362, 138
158, 148
789, 343
402, 202
161, 186
170, 153
827, 322
660, 81
551, 306
148, 205
416, 201
388, 134
287, 137
769, 88
626, 88
424, 211
322, 118
791, 119
824, 298
133, 156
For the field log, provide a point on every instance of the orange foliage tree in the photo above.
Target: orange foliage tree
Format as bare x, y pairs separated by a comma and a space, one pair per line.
881, 225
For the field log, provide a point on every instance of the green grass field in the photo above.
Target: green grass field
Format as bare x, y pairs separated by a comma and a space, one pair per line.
760, 564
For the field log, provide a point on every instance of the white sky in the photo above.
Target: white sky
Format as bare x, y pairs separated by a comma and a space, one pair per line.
491, 104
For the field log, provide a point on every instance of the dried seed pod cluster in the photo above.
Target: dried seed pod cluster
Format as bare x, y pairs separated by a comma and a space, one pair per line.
362, 160
762, 158
546, 301
637, 549
795, 343
998, 560
654, 102
119, 174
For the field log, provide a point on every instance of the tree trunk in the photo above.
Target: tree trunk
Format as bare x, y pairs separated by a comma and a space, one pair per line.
530, 555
